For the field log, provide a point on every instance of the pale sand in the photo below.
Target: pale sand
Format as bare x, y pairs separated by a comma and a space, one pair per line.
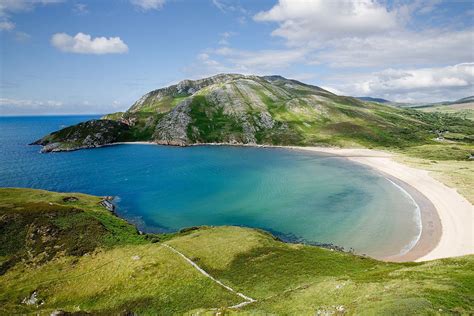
456, 214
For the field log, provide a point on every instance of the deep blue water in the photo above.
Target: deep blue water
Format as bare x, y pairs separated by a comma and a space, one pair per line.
305, 195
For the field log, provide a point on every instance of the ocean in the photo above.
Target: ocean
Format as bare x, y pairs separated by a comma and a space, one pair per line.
298, 196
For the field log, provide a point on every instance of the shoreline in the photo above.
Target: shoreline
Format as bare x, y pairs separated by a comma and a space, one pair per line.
447, 218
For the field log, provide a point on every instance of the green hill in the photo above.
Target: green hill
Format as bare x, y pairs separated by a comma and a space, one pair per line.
67, 252
238, 109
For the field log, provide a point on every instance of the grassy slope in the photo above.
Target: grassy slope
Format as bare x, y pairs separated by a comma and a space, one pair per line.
133, 274
297, 279
453, 173
463, 110
93, 269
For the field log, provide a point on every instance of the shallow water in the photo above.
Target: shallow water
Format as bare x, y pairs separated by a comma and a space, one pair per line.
296, 195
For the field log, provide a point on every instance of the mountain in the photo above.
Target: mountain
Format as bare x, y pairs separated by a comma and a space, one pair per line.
370, 99
463, 108
469, 99
464, 100
239, 109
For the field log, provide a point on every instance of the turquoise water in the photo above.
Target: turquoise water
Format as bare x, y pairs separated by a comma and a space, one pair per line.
296, 195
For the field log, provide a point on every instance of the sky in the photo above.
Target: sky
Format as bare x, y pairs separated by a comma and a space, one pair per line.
78, 56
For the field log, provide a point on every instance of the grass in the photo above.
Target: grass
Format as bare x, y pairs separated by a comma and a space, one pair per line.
440, 151
136, 274
296, 279
210, 124
457, 174
145, 279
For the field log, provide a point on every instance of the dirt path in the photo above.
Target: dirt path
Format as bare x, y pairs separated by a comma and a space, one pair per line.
247, 299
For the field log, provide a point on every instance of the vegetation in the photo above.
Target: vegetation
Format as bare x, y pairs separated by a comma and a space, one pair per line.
210, 124
117, 270
279, 111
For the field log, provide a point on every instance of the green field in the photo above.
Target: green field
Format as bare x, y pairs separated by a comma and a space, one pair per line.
78, 257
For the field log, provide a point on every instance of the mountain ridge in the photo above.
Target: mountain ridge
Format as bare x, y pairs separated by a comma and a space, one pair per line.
248, 109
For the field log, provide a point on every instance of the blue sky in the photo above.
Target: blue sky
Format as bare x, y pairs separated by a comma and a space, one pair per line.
68, 56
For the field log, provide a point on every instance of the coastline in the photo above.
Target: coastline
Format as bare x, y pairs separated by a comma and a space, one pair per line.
447, 218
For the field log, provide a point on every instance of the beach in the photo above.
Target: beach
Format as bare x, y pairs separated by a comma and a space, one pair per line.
447, 218
453, 236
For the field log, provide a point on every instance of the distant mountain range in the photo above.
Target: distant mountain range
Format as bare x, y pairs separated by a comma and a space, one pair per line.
240, 109
370, 99
417, 105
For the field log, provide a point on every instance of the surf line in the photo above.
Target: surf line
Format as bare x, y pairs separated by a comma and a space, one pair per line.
247, 299
417, 216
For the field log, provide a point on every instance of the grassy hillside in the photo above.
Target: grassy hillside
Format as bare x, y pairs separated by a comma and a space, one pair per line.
273, 110
463, 110
118, 270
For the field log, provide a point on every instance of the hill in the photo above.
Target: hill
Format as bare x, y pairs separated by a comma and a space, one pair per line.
371, 99
238, 109
113, 269
462, 108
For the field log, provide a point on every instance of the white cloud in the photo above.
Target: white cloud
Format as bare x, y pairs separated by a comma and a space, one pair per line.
365, 33
25, 106
400, 48
7, 7
7, 26
80, 8
26, 103
148, 4
225, 38
229, 6
84, 44
11, 6
461, 75
311, 22
406, 85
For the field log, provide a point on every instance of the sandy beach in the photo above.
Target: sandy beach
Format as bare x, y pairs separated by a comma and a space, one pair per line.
452, 235
447, 217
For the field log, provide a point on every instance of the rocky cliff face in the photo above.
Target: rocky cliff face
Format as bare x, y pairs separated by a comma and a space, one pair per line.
239, 109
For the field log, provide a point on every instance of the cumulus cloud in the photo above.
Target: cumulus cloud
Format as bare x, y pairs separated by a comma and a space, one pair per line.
461, 75
406, 85
310, 22
366, 33
148, 4
7, 26
84, 44
401, 48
